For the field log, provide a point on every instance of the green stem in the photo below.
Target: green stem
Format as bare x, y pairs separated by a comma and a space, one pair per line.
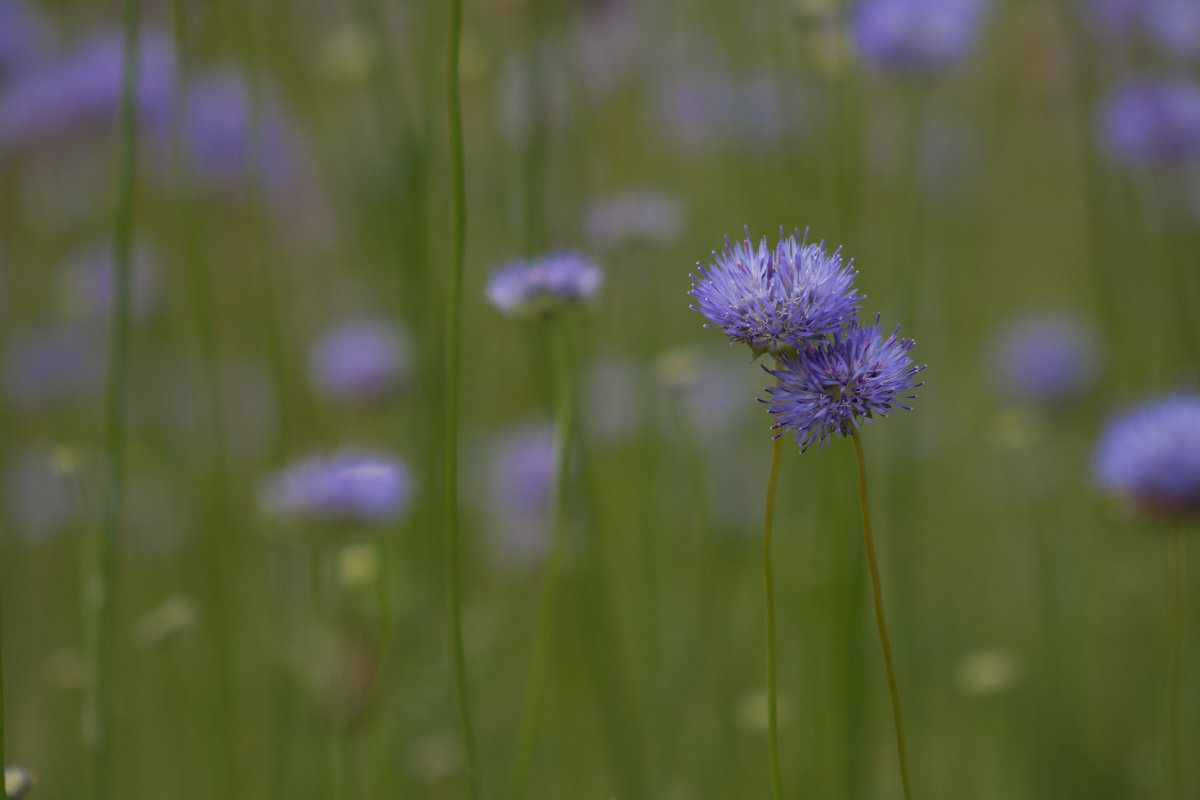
768, 584
102, 603
2, 762
1172, 760
458, 189
882, 624
539, 667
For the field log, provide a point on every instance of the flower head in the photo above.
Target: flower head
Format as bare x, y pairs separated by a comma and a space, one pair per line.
776, 299
361, 361
1153, 120
826, 389
1045, 358
917, 35
1151, 456
538, 289
347, 487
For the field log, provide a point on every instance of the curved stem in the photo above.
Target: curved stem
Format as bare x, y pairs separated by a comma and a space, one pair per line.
1172, 760
769, 588
540, 664
458, 189
882, 624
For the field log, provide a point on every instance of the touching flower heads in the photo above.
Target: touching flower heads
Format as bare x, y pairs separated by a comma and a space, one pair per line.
1151, 456
776, 300
826, 389
538, 289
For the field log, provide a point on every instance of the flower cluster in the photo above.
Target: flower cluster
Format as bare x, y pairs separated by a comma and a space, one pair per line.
798, 303
1151, 456
538, 289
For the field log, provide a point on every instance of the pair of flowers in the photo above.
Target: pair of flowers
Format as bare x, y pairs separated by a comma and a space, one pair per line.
798, 303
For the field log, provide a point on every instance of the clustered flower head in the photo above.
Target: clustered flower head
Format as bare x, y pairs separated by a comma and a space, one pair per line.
798, 303
538, 289
776, 300
828, 388
917, 35
348, 487
1153, 120
1151, 456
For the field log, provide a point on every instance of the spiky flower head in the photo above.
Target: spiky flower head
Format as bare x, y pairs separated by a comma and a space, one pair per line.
538, 289
827, 389
1151, 456
776, 300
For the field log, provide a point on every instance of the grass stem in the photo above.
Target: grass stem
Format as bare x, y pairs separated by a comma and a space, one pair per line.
458, 192
879, 618
1176, 631
769, 588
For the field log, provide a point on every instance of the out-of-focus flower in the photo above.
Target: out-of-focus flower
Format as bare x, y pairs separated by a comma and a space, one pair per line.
777, 299
520, 485
635, 215
18, 782
227, 139
349, 487
1045, 358
53, 364
83, 88
39, 496
22, 37
538, 289
1148, 120
827, 389
701, 107
917, 35
360, 362
613, 398
1150, 456
163, 623
86, 282
1174, 25
710, 388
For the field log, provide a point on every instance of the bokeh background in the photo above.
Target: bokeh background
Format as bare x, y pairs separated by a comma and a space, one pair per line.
1014, 182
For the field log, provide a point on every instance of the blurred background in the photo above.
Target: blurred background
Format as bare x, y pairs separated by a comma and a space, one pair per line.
1015, 182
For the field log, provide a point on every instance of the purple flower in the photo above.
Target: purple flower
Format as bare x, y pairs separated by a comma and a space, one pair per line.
1153, 120
1045, 358
226, 139
775, 300
86, 283
520, 487
22, 37
1151, 456
348, 487
1174, 25
917, 35
538, 289
362, 361
635, 215
826, 389
54, 363
84, 88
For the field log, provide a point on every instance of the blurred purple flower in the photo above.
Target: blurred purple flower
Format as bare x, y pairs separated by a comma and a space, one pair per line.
1153, 120
83, 88
86, 282
614, 394
520, 484
539, 289
43, 366
348, 487
1151, 456
1045, 358
22, 38
829, 388
225, 138
699, 108
1174, 26
634, 215
39, 502
359, 362
917, 35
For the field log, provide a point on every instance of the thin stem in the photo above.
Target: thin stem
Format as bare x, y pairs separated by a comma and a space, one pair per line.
883, 635
539, 667
2, 762
458, 189
769, 587
102, 603
1172, 760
